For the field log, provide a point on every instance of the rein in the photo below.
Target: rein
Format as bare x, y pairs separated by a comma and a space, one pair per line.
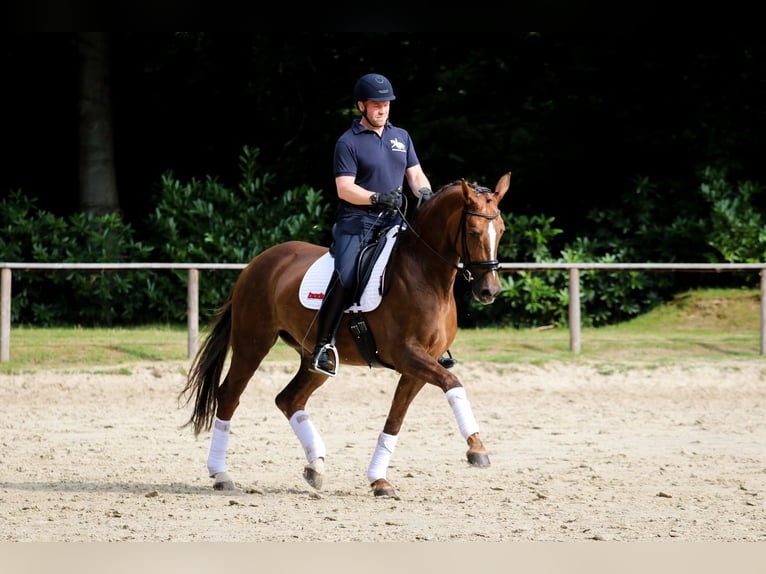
487, 265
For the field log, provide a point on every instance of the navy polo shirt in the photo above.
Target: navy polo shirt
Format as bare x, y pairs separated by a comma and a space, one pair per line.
377, 162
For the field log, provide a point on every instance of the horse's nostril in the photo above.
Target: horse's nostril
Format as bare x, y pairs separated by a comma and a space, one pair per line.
484, 296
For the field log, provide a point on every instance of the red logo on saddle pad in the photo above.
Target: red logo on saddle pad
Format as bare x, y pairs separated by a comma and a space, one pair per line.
313, 295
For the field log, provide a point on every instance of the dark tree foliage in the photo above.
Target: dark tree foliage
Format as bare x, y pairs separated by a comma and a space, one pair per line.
576, 117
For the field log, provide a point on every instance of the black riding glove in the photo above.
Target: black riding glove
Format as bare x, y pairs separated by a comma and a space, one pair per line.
425, 195
391, 199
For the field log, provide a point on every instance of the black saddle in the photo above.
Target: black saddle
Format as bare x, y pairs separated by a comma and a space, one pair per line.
366, 260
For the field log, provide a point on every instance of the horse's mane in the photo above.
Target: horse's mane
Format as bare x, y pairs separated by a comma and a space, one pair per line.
425, 209
453, 187
473, 185
450, 184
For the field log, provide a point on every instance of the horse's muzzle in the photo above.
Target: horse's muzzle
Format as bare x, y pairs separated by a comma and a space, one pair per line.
487, 289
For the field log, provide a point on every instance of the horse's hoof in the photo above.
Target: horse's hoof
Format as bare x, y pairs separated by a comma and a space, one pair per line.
382, 488
313, 473
479, 459
222, 481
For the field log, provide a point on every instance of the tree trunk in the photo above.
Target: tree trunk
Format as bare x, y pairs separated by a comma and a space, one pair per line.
98, 184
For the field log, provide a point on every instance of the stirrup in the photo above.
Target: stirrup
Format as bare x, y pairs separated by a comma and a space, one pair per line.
328, 348
447, 362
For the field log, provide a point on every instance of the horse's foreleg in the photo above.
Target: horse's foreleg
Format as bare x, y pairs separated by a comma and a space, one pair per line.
469, 427
477, 454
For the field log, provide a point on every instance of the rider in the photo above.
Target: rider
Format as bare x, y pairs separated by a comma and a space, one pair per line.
371, 160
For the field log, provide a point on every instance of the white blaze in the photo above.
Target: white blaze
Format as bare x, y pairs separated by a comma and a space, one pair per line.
492, 242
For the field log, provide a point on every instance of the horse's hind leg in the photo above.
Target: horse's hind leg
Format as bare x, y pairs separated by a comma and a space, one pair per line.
406, 390
227, 397
292, 402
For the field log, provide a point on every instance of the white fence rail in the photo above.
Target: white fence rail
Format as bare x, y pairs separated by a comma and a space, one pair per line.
193, 288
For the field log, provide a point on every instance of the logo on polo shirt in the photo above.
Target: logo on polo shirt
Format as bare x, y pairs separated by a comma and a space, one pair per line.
396, 145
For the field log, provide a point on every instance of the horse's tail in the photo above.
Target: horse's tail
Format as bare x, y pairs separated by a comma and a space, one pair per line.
205, 373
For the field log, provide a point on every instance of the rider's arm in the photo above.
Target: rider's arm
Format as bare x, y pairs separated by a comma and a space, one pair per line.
416, 179
351, 192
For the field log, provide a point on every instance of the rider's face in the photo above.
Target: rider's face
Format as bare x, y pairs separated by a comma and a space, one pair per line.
376, 112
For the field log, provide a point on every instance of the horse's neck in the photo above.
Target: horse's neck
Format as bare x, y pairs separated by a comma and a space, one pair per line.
430, 260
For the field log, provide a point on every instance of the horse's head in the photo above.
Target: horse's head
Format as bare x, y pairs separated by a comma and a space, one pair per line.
481, 228
461, 223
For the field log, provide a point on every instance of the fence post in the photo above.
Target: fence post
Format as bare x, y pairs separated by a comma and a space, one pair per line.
5, 315
574, 309
192, 312
763, 311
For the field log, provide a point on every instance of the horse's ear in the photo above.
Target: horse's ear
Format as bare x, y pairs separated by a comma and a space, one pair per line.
502, 186
466, 187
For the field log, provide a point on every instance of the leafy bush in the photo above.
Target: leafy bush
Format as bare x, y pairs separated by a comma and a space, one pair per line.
52, 297
724, 226
207, 222
737, 227
204, 221
198, 222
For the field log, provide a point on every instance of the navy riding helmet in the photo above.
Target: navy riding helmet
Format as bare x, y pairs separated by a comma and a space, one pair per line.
373, 87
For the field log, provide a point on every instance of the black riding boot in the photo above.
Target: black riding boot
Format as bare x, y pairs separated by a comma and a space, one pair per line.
325, 357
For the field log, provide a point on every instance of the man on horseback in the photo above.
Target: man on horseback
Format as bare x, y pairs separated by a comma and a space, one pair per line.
371, 160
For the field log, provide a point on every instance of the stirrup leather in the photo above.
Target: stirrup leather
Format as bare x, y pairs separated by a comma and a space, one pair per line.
327, 348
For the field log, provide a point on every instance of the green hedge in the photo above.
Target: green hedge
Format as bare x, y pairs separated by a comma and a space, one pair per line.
204, 221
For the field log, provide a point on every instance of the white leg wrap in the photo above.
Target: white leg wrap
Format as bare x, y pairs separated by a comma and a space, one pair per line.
381, 457
312, 443
463, 413
216, 458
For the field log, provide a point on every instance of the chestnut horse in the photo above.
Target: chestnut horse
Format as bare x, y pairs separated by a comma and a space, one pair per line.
457, 230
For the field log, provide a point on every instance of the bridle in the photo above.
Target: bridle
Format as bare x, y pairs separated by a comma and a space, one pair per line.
467, 265
487, 265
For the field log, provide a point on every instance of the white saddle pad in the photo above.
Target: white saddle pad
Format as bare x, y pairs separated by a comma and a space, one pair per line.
318, 276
